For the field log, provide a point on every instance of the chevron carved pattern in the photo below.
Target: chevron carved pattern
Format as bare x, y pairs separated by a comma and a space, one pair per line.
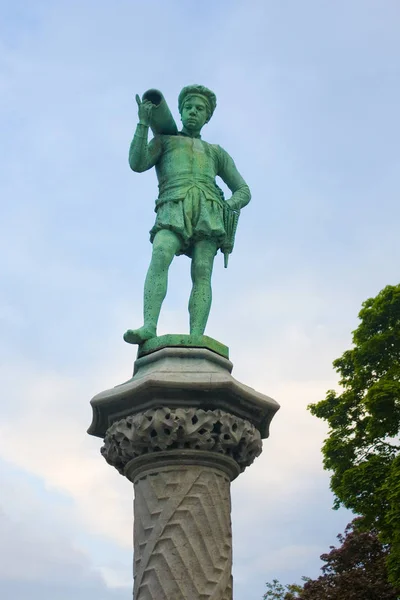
182, 535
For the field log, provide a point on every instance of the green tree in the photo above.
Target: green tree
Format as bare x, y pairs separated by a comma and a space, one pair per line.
277, 591
363, 448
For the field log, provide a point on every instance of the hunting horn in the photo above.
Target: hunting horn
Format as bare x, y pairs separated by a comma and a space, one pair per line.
162, 122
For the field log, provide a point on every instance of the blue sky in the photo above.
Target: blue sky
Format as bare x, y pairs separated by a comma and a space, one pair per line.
308, 95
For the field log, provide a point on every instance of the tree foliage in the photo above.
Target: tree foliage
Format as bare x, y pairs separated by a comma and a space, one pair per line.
356, 570
277, 591
363, 447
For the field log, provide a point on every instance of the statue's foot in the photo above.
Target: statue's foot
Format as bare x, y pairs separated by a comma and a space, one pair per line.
138, 336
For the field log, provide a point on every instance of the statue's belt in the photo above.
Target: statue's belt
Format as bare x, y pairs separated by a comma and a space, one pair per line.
177, 190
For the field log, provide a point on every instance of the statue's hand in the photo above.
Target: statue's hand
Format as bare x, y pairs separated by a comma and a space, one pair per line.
144, 110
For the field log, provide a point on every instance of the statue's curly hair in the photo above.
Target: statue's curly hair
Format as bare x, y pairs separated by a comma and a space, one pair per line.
198, 90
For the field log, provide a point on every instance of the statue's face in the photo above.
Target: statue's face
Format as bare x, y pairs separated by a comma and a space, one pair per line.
194, 113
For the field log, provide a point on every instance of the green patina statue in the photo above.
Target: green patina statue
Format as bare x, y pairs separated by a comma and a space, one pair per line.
193, 218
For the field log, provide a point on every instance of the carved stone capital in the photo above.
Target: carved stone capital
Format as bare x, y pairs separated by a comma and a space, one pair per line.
163, 429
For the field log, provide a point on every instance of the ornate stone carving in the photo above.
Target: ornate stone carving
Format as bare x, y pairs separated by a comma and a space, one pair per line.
182, 535
181, 428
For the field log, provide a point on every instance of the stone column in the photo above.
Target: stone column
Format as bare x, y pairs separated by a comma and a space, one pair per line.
181, 430
182, 533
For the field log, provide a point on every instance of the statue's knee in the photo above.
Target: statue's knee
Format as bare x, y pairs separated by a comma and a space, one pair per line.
202, 270
162, 256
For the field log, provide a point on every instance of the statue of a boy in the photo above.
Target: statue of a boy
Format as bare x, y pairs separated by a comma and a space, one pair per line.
190, 206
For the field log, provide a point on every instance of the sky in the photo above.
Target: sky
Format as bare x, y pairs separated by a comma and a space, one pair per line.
308, 95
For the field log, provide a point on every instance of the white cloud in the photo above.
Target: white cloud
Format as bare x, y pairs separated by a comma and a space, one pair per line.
39, 543
116, 576
47, 437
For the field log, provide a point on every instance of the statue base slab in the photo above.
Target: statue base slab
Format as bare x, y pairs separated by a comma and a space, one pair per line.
178, 340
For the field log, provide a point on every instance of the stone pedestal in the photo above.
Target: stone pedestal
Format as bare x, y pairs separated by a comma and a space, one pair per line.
181, 430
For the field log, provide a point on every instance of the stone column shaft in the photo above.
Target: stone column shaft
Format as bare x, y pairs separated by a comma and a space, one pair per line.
182, 534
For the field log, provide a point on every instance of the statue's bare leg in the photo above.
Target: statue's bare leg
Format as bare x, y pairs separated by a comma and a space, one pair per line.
165, 245
201, 296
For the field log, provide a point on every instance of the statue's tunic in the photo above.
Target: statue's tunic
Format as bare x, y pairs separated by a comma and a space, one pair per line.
189, 202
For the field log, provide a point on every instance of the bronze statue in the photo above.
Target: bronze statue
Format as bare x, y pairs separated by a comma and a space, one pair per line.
193, 218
